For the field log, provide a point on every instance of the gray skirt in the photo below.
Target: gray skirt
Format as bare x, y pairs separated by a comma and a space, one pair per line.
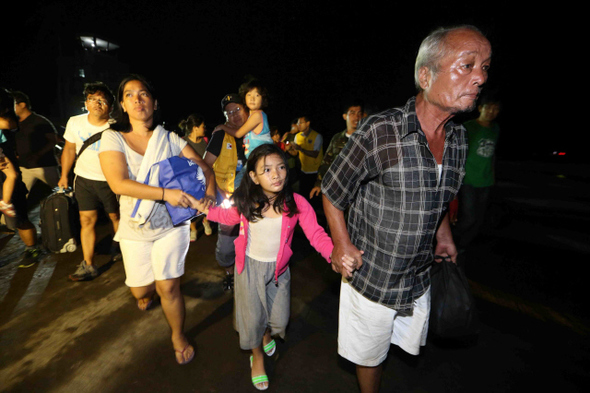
260, 303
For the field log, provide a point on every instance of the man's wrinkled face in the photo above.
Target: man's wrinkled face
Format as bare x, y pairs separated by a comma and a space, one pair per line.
462, 72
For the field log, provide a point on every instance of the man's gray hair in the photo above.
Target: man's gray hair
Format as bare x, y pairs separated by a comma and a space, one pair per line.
433, 49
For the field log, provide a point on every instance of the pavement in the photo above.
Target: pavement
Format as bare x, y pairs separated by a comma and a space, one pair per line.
526, 270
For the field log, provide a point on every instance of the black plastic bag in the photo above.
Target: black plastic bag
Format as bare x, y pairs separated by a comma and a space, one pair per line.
452, 311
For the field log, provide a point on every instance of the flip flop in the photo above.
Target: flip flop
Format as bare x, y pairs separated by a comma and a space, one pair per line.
182, 354
260, 379
270, 348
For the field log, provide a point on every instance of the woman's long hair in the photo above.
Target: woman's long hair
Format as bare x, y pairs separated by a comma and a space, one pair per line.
249, 197
121, 117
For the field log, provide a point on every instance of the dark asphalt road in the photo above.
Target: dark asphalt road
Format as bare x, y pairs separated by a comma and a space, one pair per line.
526, 270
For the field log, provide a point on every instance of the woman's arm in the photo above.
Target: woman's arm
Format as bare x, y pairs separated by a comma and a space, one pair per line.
114, 168
191, 154
254, 120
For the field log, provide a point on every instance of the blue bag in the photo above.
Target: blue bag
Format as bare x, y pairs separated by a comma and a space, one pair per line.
178, 173
181, 173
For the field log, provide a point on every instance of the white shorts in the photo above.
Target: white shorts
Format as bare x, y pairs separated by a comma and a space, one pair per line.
162, 259
366, 328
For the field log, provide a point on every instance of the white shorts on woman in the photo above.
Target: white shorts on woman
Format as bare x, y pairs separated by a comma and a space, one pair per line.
366, 328
161, 259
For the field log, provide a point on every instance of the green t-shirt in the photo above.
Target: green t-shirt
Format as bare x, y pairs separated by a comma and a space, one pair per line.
479, 168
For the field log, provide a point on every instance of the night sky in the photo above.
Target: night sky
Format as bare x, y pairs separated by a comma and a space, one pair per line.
312, 55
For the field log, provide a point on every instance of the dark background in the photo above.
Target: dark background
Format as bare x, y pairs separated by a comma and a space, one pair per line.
312, 55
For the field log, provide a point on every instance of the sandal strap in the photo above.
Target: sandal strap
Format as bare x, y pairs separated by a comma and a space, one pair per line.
269, 348
259, 379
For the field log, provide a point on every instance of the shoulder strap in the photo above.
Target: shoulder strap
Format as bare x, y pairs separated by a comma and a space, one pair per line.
89, 142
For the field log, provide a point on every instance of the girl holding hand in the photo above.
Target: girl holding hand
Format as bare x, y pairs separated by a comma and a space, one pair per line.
267, 210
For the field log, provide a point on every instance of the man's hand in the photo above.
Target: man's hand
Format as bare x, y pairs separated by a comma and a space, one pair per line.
63, 183
445, 246
445, 250
346, 258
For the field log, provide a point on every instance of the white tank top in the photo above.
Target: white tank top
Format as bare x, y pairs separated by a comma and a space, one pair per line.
264, 239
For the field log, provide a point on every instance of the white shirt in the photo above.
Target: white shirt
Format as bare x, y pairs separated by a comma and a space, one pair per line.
78, 129
160, 223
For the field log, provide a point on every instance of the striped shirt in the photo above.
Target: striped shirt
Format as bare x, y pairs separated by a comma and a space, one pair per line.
388, 178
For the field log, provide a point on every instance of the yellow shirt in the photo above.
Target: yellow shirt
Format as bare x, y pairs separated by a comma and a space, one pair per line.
309, 164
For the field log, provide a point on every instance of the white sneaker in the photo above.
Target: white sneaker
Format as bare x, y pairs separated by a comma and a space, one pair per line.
193, 235
207, 226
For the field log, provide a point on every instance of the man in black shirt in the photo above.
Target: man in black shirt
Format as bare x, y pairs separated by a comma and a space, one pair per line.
35, 143
25, 228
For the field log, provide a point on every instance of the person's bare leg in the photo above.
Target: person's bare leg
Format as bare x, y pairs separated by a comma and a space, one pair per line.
144, 295
88, 220
173, 307
115, 220
28, 234
258, 365
369, 378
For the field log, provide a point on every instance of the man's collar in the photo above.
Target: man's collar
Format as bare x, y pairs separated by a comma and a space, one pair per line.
413, 124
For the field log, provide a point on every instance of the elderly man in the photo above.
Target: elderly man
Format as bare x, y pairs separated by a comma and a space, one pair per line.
398, 172
225, 154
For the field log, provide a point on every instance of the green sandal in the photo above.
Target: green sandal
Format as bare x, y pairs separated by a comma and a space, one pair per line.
269, 349
260, 379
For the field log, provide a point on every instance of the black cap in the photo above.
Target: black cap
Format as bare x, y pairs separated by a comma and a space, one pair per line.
229, 98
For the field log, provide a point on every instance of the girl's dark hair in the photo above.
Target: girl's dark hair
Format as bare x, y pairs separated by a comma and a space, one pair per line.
121, 117
187, 125
249, 197
254, 84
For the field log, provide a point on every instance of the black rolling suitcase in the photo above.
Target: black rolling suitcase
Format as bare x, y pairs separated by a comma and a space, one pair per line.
59, 222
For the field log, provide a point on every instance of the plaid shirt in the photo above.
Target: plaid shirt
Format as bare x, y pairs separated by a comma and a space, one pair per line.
389, 178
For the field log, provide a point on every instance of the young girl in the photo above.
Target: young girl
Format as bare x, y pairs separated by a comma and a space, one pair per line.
194, 134
276, 137
255, 130
267, 210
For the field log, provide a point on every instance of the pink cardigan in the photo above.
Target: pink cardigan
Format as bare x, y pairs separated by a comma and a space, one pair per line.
318, 238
